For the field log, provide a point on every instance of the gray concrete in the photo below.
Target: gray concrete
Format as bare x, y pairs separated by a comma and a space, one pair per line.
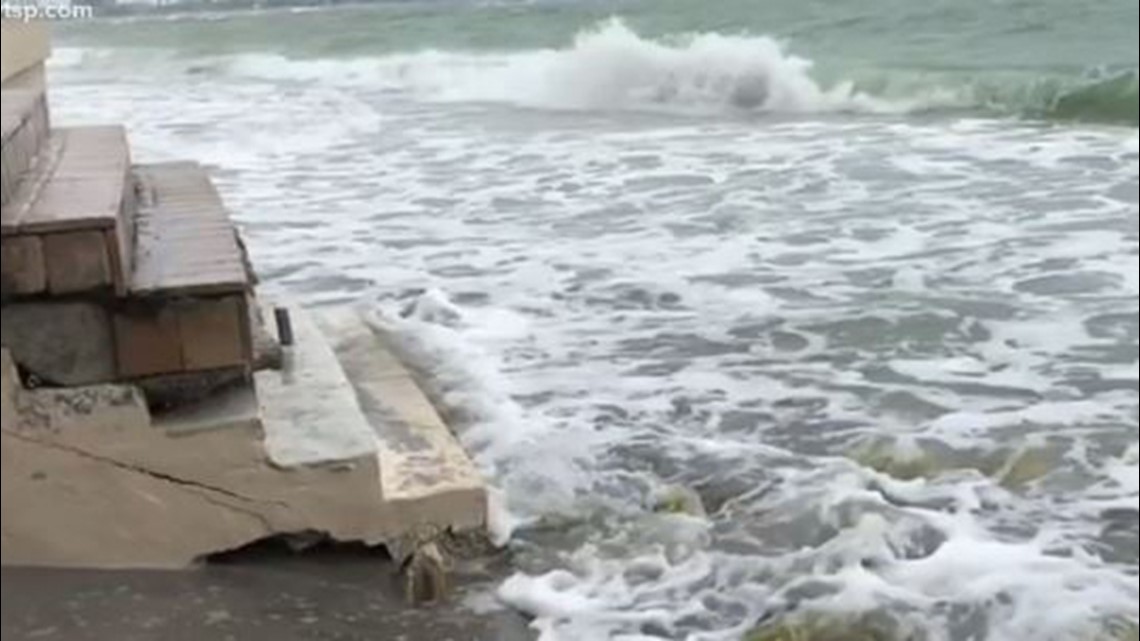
185, 241
25, 127
64, 343
82, 185
349, 598
309, 411
423, 468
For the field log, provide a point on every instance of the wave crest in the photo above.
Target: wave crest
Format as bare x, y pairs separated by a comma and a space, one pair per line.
610, 67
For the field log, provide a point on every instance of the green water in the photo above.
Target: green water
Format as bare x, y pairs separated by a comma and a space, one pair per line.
1073, 60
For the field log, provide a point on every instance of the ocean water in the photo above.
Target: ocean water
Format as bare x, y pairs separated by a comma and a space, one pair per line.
861, 276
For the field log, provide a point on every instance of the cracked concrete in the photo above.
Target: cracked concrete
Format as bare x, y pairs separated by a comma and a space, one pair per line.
90, 482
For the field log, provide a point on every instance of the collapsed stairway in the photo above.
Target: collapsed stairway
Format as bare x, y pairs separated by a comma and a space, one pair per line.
149, 419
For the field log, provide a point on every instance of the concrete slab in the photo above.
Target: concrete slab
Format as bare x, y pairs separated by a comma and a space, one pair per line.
309, 410
186, 243
423, 468
82, 187
92, 480
88, 482
79, 183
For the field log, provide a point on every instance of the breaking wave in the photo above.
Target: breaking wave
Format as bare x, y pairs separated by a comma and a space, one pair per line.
610, 67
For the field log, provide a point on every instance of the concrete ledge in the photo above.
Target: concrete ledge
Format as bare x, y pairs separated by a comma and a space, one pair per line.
186, 243
77, 193
423, 468
310, 412
91, 480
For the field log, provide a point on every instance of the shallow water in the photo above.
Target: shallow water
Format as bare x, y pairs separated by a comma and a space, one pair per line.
891, 341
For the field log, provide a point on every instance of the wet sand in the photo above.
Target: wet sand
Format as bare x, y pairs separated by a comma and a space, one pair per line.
324, 597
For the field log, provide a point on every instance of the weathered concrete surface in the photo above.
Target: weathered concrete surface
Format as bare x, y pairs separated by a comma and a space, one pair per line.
25, 128
82, 187
24, 45
91, 480
64, 343
326, 597
423, 468
77, 262
79, 183
186, 243
309, 410
22, 272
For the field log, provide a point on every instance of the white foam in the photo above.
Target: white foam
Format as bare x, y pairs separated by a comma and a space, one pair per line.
1052, 596
629, 287
1133, 146
607, 67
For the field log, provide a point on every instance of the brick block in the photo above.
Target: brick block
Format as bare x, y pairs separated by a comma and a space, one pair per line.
214, 333
77, 261
147, 342
23, 270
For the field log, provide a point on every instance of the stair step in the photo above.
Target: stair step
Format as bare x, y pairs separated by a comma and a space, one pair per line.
68, 224
308, 408
25, 128
423, 467
185, 241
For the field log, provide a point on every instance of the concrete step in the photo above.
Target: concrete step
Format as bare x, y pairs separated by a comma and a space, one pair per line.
308, 409
343, 396
189, 291
25, 129
67, 228
186, 243
425, 474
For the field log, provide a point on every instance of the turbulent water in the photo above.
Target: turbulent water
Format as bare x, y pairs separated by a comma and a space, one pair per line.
863, 276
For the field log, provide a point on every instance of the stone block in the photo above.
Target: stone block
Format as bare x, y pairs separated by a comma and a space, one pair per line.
148, 342
77, 261
23, 270
213, 333
62, 343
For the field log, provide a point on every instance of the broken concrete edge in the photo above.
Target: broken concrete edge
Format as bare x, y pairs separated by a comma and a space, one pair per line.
111, 493
135, 474
420, 456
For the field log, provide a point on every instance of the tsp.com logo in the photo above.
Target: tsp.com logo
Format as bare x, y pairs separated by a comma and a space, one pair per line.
31, 10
